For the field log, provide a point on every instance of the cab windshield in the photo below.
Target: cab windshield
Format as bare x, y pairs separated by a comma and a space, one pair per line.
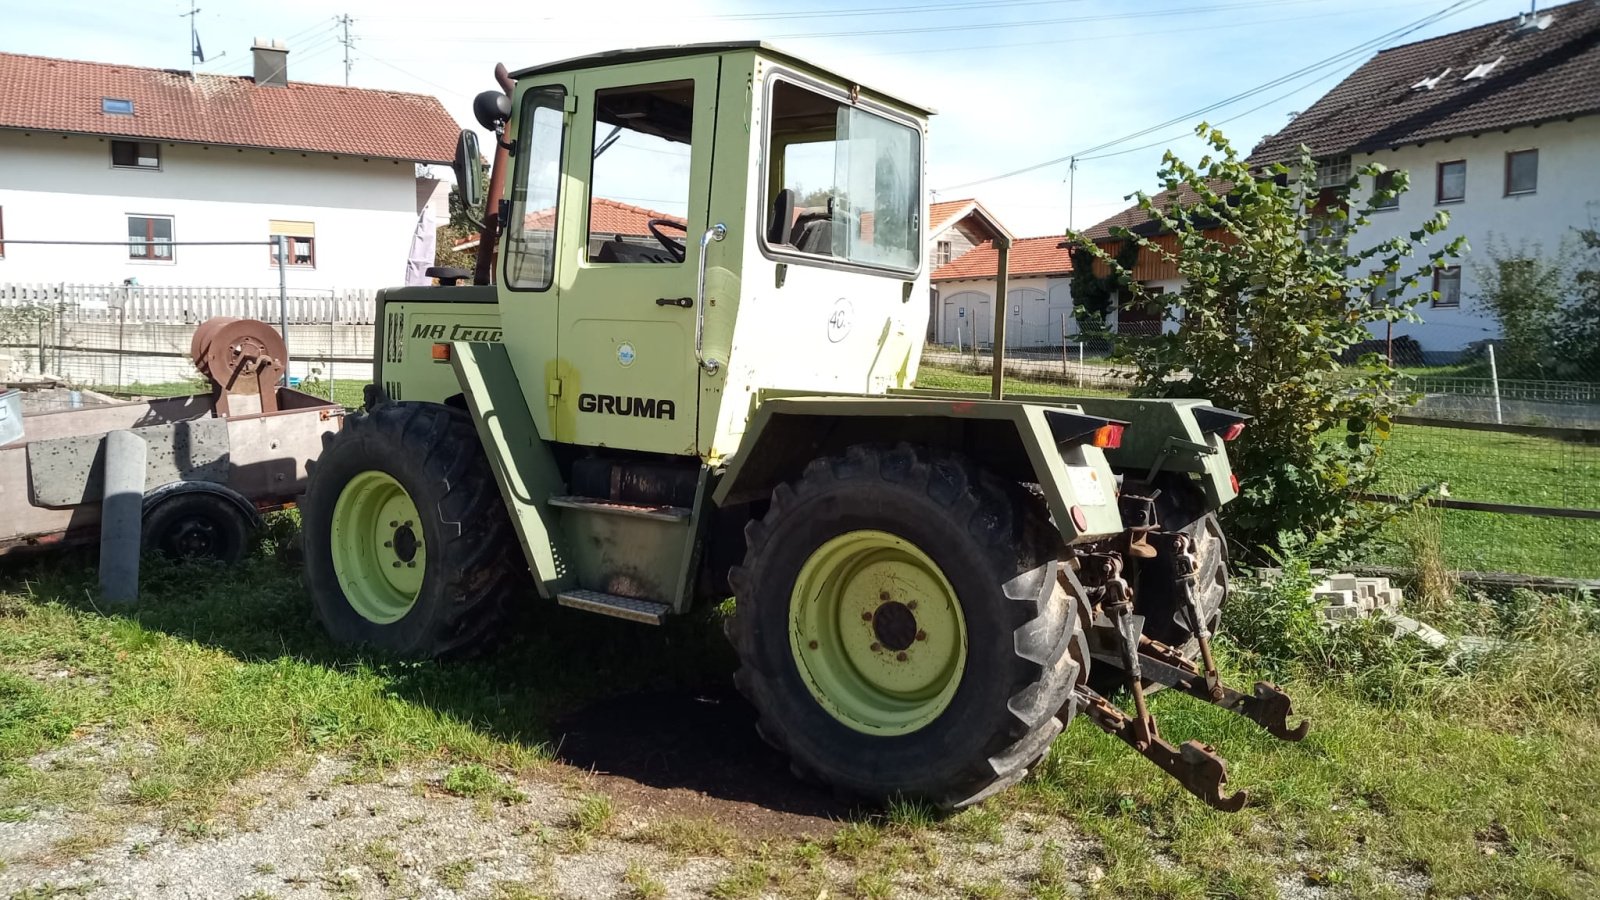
843, 183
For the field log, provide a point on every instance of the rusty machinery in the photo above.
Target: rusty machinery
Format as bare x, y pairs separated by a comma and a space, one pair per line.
240, 356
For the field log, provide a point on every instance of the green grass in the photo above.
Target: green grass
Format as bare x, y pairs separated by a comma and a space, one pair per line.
346, 393
939, 378
221, 673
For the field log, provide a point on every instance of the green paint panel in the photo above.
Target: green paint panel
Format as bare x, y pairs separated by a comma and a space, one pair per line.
523, 465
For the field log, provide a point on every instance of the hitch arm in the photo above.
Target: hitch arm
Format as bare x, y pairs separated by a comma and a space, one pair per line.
1268, 707
1196, 766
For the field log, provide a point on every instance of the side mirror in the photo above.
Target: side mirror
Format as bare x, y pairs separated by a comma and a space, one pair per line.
468, 167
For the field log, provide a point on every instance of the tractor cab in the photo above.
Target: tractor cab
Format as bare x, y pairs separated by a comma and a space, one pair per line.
682, 227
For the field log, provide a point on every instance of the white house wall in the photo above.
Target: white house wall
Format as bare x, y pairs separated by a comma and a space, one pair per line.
1568, 197
55, 187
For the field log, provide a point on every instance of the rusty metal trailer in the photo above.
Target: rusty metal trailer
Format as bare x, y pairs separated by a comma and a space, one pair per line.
211, 462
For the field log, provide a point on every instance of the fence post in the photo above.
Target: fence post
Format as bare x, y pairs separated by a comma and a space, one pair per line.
1494, 382
283, 302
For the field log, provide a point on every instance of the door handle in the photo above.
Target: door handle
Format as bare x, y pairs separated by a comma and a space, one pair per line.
715, 233
684, 302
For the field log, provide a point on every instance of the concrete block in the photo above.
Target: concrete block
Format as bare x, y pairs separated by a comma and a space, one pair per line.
1404, 626
1344, 583
1336, 612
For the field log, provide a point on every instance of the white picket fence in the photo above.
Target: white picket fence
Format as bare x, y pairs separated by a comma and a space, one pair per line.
154, 304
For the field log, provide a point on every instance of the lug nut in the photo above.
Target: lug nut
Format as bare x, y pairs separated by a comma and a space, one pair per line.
812, 645
884, 596
397, 564
911, 605
866, 617
411, 565
901, 656
388, 543
922, 635
393, 524
876, 646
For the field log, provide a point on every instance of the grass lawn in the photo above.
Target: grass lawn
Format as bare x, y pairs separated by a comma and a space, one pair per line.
346, 393
1469, 786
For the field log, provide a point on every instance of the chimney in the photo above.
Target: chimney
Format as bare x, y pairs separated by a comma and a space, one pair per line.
272, 63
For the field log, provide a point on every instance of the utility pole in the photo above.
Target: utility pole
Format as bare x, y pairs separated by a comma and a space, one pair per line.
344, 22
1072, 189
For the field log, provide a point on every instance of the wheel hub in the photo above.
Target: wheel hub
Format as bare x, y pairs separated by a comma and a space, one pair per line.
194, 537
877, 632
895, 625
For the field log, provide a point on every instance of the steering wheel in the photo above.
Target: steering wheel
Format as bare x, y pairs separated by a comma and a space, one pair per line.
678, 250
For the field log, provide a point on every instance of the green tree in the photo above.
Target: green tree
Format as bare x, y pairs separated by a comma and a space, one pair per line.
1275, 293
1580, 315
1525, 291
464, 223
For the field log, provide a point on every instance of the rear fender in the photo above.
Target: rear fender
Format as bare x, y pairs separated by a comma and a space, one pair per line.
1028, 443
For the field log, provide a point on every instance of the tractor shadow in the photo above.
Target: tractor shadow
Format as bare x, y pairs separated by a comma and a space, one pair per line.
651, 713
694, 752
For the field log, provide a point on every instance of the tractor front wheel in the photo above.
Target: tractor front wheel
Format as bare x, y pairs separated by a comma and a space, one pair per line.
904, 627
407, 541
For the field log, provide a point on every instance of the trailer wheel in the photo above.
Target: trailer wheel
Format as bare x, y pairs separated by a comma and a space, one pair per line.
407, 541
904, 627
197, 524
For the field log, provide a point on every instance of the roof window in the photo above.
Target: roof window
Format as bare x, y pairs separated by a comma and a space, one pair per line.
112, 106
1482, 70
1428, 84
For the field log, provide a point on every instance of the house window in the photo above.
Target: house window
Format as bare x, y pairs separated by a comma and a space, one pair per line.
1522, 172
1384, 283
113, 106
1333, 171
1384, 182
150, 238
1447, 287
942, 253
299, 243
1452, 186
135, 155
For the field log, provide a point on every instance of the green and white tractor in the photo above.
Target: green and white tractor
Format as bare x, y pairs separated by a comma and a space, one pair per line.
682, 371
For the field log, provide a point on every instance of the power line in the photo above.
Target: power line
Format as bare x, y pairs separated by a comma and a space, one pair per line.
812, 35
1359, 49
410, 74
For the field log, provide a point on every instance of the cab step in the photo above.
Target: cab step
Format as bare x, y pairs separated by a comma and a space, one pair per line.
647, 611
618, 508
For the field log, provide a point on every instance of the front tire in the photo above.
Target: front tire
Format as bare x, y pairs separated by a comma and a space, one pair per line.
409, 548
904, 627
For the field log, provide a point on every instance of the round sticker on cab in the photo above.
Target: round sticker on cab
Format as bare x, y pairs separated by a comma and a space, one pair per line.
625, 354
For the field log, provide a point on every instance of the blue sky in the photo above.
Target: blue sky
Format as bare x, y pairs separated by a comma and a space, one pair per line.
1016, 82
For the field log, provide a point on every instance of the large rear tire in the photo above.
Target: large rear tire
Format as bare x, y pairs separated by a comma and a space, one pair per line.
904, 627
408, 547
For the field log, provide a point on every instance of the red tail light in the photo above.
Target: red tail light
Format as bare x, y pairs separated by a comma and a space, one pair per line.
1108, 437
1234, 480
1233, 431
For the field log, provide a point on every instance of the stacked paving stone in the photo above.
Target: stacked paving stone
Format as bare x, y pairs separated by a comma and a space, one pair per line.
1352, 597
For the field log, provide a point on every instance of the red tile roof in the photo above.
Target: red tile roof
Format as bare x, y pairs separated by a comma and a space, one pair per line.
45, 94
1538, 74
1134, 216
605, 217
943, 215
1029, 256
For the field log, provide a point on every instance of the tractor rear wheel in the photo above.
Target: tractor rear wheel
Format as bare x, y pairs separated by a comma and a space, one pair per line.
407, 541
904, 627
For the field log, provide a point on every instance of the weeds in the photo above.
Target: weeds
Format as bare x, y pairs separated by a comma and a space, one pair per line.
643, 885
477, 782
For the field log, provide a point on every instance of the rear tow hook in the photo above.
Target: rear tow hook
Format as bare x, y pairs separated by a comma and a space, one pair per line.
1268, 707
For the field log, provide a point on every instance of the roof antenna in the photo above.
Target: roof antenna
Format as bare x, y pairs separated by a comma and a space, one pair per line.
196, 54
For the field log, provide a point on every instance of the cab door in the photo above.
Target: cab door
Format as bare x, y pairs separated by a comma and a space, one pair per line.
640, 147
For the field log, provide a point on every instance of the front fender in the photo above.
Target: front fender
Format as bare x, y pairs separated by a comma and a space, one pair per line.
1028, 443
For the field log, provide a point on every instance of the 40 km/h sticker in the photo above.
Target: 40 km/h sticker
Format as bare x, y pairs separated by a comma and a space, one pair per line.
840, 320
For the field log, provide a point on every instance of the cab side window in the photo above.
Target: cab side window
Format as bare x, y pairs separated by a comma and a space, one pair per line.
639, 190
535, 190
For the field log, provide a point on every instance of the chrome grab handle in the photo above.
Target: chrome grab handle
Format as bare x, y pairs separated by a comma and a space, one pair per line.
715, 233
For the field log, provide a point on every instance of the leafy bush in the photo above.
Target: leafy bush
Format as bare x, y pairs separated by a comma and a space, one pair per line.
1547, 307
1275, 293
